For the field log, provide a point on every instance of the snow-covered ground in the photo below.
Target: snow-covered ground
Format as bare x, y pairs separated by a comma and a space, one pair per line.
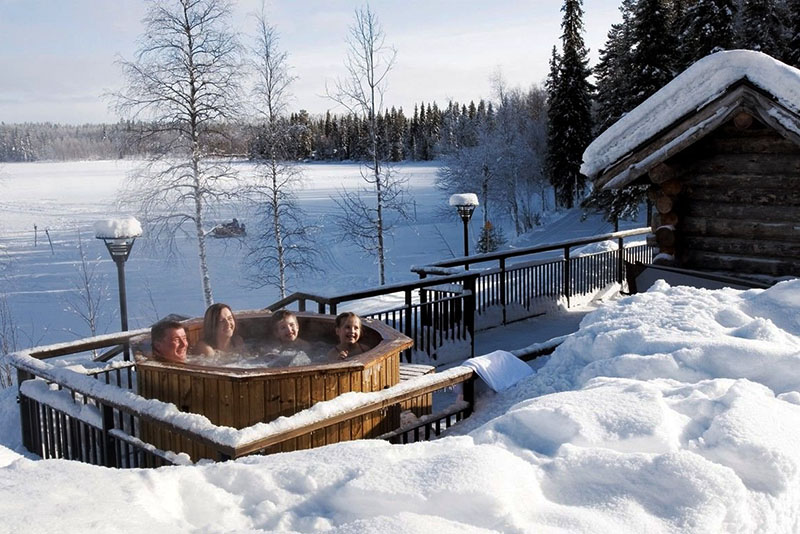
677, 410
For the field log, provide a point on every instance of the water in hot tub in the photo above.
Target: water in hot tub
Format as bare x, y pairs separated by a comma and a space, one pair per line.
269, 355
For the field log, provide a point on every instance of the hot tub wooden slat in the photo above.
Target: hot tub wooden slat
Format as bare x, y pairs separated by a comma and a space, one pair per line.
317, 395
303, 402
344, 386
288, 407
273, 399
256, 403
225, 403
331, 392
211, 400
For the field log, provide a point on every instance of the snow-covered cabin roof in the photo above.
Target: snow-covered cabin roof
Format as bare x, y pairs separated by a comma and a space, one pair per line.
696, 102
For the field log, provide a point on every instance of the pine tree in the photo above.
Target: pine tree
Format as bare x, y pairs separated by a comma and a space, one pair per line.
569, 95
491, 239
705, 27
762, 27
655, 51
613, 72
792, 55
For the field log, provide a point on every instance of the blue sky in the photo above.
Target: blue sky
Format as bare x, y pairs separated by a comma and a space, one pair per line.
57, 57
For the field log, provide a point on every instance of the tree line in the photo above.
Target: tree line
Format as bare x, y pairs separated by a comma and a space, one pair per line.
426, 135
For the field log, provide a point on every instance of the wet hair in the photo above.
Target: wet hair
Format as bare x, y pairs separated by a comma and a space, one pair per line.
210, 320
281, 315
344, 316
159, 330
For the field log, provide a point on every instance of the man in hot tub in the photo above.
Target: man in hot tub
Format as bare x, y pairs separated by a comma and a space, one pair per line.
169, 341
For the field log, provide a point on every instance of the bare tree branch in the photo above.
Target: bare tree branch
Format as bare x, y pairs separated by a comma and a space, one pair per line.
283, 243
368, 63
185, 85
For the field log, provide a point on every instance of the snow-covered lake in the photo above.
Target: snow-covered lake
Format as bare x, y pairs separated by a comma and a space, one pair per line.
63, 200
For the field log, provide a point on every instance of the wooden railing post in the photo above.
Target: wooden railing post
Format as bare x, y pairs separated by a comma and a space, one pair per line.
620, 260
566, 275
425, 313
25, 411
109, 448
503, 287
469, 310
468, 389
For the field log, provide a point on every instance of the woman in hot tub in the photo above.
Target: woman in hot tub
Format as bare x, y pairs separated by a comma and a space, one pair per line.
219, 332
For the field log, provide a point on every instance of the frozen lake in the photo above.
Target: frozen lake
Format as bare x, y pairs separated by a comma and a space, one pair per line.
65, 199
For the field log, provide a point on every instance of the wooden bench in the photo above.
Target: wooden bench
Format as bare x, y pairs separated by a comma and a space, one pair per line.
422, 405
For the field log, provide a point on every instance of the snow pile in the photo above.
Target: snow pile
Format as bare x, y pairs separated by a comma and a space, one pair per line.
117, 228
464, 199
701, 83
676, 410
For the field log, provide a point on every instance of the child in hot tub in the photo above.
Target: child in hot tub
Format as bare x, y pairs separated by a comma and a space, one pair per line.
348, 332
290, 350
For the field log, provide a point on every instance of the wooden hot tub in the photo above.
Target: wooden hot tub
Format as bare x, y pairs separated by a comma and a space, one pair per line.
240, 397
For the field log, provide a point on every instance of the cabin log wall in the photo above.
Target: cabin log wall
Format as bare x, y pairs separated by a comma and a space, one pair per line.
734, 202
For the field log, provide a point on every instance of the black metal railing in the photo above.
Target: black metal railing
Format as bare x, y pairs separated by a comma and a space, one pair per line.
434, 312
524, 281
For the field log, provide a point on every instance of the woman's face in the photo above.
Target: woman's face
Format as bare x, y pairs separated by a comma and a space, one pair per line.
287, 330
350, 331
225, 324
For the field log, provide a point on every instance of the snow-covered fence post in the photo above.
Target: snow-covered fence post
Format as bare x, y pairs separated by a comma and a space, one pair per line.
119, 236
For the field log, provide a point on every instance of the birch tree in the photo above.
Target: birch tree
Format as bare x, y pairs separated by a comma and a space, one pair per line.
184, 86
368, 215
283, 242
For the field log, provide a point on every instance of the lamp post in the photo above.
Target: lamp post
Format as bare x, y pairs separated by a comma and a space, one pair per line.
465, 203
119, 236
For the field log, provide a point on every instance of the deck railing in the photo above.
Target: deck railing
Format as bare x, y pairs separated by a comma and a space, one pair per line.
441, 306
95, 417
431, 323
521, 282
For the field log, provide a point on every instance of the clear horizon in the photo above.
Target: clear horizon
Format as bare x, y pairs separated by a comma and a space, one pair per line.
58, 58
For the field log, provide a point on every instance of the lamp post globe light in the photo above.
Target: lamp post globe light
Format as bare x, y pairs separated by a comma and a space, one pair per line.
119, 236
465, 203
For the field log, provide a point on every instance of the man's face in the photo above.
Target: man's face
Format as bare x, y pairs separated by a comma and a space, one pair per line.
172, 347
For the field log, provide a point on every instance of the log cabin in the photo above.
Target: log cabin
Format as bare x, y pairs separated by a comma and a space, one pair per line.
719, 149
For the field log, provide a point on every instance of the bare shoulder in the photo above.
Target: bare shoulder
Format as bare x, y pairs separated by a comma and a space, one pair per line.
202, 348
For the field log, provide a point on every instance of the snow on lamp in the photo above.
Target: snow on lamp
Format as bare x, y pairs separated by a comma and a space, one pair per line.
119, 236
465, 203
